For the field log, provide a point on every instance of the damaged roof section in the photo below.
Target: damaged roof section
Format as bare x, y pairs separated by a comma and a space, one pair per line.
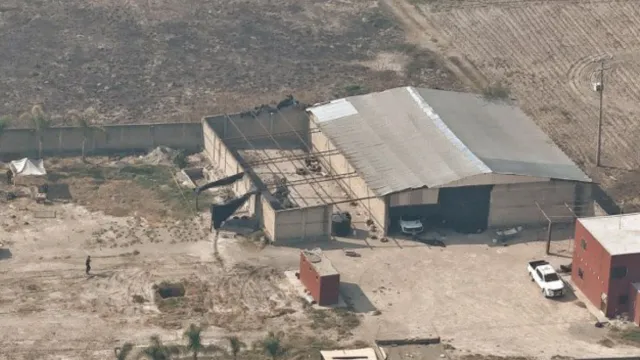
408, 138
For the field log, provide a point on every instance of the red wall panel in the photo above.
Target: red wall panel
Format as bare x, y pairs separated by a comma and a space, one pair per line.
621, 287
309, 277
634, 305
594, 263
329, 290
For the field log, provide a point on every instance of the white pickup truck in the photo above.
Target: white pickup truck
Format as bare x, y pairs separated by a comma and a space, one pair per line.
546, 277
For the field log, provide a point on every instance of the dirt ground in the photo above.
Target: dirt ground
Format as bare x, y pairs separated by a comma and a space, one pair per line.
145, 61
311, 189
472, 295
476, 297
547, 54
50, 309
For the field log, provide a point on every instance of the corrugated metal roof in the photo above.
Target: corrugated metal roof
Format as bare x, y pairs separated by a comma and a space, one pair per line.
335, 109
407, 138
502, 136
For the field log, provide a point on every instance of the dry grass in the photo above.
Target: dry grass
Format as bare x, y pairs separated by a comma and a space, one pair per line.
140, 61
492, 357
146, 190
343, 321
630, 336
496, 93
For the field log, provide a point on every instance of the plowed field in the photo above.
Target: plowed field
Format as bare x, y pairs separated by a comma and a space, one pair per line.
548, 54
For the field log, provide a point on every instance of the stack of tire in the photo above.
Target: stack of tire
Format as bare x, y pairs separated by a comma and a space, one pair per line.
341, 224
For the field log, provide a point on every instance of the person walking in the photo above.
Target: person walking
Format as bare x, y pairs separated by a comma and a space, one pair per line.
88, 264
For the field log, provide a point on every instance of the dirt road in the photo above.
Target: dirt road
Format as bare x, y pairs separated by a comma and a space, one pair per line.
420, 33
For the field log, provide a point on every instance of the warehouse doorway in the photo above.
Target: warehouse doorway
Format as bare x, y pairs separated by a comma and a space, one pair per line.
466, 209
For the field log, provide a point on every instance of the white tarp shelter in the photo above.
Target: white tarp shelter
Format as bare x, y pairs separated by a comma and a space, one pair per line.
27, 167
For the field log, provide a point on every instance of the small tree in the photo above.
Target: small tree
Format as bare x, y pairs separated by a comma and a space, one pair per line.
180, 160
124, 351
40, 122
272, 345
4, 123
157, 350
236, 346
194, 340
86, 121
496, 93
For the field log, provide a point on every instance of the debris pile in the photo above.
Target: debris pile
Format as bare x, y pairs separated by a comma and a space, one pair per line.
162, 155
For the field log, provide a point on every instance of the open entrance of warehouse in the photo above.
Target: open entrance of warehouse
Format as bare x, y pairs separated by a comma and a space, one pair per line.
466, 209
462, 209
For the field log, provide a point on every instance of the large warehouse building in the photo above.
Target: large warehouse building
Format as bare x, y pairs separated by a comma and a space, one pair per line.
453, 158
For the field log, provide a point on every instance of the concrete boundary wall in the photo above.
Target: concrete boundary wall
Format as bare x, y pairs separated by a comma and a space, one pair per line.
224, 135
227, 161
257, 126
304, 224
268, 219
114, 138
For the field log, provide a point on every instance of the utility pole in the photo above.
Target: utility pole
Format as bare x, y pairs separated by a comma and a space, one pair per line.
599, 87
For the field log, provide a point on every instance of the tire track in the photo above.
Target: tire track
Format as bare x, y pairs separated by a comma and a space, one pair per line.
549, 51
418, 28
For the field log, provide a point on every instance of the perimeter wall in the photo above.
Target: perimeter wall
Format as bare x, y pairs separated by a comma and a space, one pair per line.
224, 135
258, 127
114, 138
304, 224
227, 161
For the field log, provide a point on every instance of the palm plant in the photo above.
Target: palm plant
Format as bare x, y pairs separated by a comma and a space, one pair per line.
272, 345
85, 121
194, 340
124, 351
236, 346
40, 122
157, 350
4, 123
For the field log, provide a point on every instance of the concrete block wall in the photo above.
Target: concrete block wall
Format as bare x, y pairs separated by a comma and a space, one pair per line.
355, 186
268, 219
303, 224
224, 136
514, 204
115, 138
227, 161
287, 124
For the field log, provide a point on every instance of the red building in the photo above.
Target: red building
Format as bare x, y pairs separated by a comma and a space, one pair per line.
320, 278
606, 263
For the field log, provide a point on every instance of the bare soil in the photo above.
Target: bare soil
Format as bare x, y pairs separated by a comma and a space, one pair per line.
144, 61
547, 53
422, 291
50, 309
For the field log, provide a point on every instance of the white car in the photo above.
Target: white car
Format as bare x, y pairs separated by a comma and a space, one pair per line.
411, 225
546, 277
